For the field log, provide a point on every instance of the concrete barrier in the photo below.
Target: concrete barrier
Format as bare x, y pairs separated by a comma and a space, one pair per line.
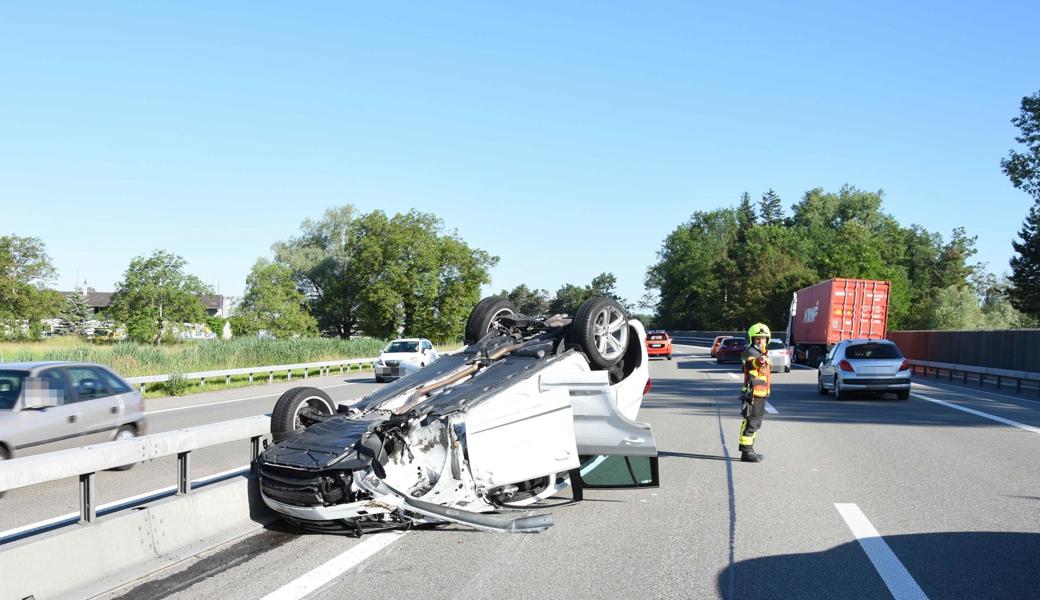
81, 561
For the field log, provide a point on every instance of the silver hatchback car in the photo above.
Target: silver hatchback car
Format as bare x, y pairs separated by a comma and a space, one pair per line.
864, 366
47, 406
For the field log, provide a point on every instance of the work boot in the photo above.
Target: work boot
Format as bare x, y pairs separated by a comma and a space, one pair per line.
749, 455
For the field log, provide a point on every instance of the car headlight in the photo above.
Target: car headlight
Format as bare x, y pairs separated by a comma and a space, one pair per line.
379, 362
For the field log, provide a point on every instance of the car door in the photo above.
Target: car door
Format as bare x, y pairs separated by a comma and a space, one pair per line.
827, 366
48, 428
99, 405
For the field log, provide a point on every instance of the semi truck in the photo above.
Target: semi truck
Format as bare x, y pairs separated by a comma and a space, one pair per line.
835, 310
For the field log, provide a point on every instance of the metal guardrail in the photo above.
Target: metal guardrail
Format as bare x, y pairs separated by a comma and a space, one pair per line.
85, 462
952, 370
324, 368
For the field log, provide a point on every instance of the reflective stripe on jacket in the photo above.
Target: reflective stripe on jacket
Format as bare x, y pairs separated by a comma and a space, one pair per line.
757, 372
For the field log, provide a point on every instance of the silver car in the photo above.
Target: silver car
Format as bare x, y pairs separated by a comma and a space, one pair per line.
47, 406
779, 356
864, 366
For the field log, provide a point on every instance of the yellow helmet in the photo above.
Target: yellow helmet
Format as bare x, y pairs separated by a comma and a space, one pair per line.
758, 330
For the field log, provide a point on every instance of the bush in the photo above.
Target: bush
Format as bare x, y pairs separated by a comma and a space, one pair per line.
176, 385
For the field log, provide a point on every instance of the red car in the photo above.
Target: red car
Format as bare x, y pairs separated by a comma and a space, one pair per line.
715, 345
730, 350
658, 343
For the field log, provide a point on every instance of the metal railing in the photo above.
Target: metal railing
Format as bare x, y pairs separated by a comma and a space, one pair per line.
983, 373
85, 462
324, 368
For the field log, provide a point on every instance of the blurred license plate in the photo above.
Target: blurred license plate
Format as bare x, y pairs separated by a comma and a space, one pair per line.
657, 345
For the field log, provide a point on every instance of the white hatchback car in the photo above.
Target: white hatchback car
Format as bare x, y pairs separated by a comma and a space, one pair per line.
404, 356
779, 356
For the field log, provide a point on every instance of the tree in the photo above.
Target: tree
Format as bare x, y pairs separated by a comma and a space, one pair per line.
76, 312
745, 212
155, 292
528, 301
384, 275
1025, 265
1023, 168
567, 299
955, 307
770, 208
25, 271
272, 303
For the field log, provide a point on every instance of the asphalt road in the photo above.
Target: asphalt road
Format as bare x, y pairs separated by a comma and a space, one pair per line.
947, 503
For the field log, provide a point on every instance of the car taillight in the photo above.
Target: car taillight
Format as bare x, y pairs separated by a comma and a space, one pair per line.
649, 385
846, 366
905, 365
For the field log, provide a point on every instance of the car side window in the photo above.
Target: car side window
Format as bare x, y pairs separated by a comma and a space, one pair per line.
114, 383
54, 382
832, 353
87, 383
427, 345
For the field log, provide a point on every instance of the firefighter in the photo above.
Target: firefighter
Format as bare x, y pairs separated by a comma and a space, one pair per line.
753, 394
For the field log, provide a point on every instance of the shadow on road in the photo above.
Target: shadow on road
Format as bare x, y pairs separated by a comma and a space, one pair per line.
666, 454
964, 564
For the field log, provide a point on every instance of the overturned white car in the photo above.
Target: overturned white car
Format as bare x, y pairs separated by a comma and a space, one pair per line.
529, 408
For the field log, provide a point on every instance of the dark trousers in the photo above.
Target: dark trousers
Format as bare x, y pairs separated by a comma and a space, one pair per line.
752, 409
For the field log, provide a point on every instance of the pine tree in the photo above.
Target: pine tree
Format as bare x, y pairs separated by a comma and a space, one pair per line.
1025, 266
745, 212
76, 312
770, 208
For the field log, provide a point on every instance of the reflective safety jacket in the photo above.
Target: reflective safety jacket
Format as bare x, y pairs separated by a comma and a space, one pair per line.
756, 372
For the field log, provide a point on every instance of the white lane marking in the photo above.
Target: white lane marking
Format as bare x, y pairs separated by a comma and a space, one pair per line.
979, 413
895, 575
309, 582
75, 516
770, 409
733, 375
940, 386
205, 404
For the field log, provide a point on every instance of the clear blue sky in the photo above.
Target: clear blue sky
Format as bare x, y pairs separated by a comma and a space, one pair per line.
566, 138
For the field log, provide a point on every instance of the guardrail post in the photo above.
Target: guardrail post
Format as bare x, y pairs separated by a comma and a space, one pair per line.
270, 377
87, 509
1018, 385
141, 388
965, 378
250, 379
305, 372
254, 444
982, 379
998, 381
183, 473
289, 376
227, 380
341, 368
951, 374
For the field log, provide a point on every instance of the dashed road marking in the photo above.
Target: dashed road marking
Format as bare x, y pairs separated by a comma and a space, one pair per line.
770, 409
309, 582
899, 581
979, 413
732, 375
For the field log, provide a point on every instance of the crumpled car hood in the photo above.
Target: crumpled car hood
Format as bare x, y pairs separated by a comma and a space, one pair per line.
320, 445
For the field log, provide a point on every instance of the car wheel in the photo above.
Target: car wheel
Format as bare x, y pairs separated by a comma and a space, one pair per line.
669, 357
297, 408
485, 315
380, 379
819, 387
787, 369
126, 432
903, 394
838, 394
600, 328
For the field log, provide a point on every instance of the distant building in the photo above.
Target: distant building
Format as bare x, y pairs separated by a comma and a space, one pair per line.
215, 304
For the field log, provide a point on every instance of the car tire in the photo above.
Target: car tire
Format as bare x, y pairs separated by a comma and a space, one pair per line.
122, 435
819, 387
838, 394
600, 328
484, 315
669, 357
787, 369
286, 418
380, 379
903, 394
